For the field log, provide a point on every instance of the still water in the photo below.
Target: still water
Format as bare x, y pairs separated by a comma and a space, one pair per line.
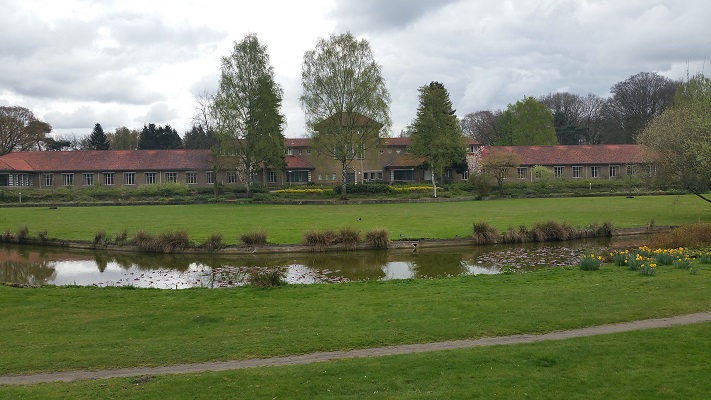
38, 266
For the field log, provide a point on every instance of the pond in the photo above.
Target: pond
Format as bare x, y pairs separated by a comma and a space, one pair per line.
38, 266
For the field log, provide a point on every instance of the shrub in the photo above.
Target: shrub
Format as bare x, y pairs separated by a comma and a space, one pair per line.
254, 238
42, 237
695, 236
620, 258
378, 238
99, 237
551, 230
484, 233
267, 278
318, 240
349, 237
22, 234
664, 258
144, 240
512, 235
213, 242
121, 238
169, 242
648, 269
590, 262
482, 184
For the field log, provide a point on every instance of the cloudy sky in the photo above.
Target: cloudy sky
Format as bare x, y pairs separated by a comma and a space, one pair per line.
128, 62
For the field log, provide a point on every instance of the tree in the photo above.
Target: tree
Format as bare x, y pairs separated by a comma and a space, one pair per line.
198, 138
499, 164
20, 130
97, 140
124, 139
681, 137
635, 102
481, 125
436, 134
159, 138
346, 102
526, 123
247, 110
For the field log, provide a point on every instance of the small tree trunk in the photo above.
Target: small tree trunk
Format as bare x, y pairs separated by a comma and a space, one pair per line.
434, 184
215, 188
344, 195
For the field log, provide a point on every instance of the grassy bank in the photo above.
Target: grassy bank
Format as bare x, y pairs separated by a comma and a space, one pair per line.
287, 223
61, 328
655, 364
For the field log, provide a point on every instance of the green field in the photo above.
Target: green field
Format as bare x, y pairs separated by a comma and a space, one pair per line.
287, 223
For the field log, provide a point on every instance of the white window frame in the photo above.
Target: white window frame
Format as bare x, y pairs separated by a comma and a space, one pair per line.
171, 177
595, 171
613, 171
87, 178
577, 171
231, 176
108, 178
67, 179
558, 171
522, 172
210, 176
48, 179
129, 178
150, 178
191, 178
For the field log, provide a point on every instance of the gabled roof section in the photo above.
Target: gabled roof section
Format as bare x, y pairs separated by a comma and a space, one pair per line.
294, 162
299, 142
110, 160
573, 154
407, 160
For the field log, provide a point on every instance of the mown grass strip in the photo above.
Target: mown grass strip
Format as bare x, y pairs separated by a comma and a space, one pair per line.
287, 223
654, 364
56, 328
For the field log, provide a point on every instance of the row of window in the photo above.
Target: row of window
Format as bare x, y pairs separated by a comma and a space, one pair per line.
129, 178
559, 172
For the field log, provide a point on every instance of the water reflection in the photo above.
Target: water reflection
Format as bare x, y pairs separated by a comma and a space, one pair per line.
37, 266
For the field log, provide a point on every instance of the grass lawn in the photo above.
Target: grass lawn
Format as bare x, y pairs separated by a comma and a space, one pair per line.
287, 223
669, 363
63, 328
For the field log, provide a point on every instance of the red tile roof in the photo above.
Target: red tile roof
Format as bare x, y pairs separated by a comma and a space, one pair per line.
573, 154
297, 142
294, 162
394, 141
109, 160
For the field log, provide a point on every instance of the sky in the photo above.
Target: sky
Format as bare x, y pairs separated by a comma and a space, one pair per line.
75, 63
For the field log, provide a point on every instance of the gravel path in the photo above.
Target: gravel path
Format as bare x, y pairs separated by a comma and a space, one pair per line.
69, 376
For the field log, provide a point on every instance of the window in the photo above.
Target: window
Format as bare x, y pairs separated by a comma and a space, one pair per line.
129, 178
448, 173
594, 172
631, 170
297, 176
231, 176
68, 179
320, 177
273, 176
390, 151
210, 177
301, 151
333, 177
522, 172
308, 151
380, 175
558, 171
290, 151
382, 151
614, 171
18, 180
88, 179
108, 178
465, 175
48, 179
403, 175
150, 178
577, 172
171, 177
191, 178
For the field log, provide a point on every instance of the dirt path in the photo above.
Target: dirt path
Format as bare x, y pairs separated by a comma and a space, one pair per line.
337, 355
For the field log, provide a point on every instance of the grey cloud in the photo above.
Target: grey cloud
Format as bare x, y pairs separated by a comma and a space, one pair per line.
159, 114
376, 15
83, 119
